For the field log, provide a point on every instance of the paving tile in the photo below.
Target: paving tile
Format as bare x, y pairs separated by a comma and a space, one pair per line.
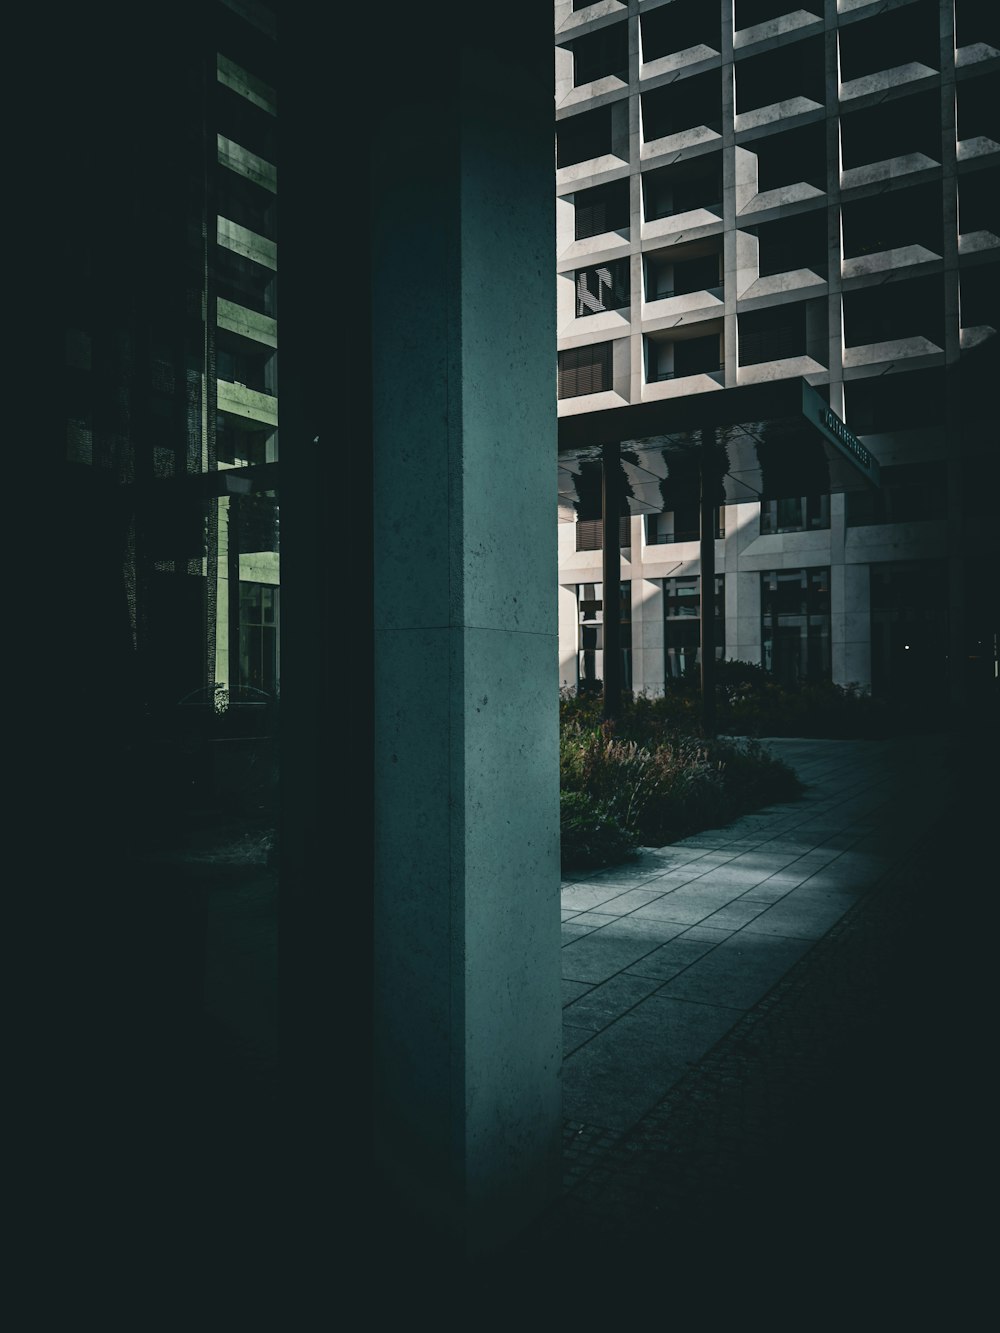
623, 1072
735, 915
572, 990
673, 957
800, 918
603, 1004
572, 930
738, 972
585, 897
574, 1038
595, 919
599, 955
630, 900
686, 905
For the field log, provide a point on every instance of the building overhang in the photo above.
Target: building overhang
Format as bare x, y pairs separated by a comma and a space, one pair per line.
766, 440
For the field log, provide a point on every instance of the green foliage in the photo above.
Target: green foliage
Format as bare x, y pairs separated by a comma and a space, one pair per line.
643, 781
591, 836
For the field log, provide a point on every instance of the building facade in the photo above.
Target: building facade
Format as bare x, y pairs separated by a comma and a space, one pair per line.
746, 192
170, 378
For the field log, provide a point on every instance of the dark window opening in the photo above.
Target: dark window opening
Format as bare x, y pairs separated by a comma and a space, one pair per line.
798, 242
895, 310
668, 275
604, 208
244, 282
978, 109
980, 296
775, 334
585, 370
979, 202
791, 157
603, 288
681, 189
683, 106
590, 613
600, 54
670, 359
247, 204
681, 524
245, 45
238, 443
584, 136
243, 361
894, 220
258, 667
248, 125
780, 75
977, 22
682, 624
678, 27
904, 36
795, 624
882, 132
800, 513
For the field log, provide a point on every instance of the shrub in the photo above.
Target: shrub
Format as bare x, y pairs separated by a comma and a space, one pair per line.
591, 836
654, 785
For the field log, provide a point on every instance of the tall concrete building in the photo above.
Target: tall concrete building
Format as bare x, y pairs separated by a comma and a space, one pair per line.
750, 192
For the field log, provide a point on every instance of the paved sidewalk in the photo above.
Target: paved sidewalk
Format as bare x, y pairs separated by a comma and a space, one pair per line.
664, 956
831, 1146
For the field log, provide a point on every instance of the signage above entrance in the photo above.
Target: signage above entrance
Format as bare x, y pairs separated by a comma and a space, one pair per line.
839, 434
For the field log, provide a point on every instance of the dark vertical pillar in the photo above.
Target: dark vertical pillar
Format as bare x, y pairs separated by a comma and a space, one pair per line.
233, 578
611, 506
709, 487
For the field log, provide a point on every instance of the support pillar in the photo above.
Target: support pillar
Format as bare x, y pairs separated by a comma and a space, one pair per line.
611, 558
709, 497
467, 987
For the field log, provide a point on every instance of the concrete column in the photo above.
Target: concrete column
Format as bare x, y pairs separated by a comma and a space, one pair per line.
467, 1003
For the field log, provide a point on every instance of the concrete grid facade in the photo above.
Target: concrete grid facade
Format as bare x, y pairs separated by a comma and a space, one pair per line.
748, 191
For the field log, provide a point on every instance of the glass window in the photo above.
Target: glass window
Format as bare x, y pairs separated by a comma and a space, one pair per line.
590, 643
803, 513
682, 625
681, 524
795, 630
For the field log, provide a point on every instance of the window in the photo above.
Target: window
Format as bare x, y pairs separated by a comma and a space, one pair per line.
590, 533
681, 524
602, 288
584, 370
584, 136
590, 615
803, 513
682, 625
259, 636
795, 628
604, 208
601, 54
682, 188
676, 358
773, 334
693, 102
